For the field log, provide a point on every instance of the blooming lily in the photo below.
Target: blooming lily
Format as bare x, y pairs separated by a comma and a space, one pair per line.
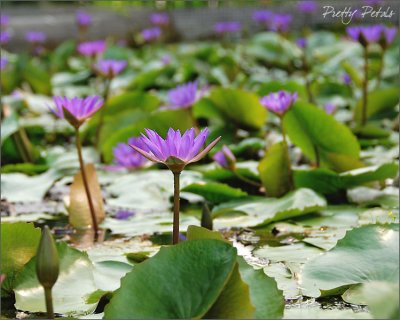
307, 6
159, 19
279, 102
183, 96
35, 37
110, 68
4, 37
280, 22
227, 27
151, 34
92, 48
83, 19
262, 16
365, 34
125, 156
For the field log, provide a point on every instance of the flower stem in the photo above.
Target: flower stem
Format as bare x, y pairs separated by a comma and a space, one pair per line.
365, 88
380, 70
291, 183
49, 303
244, 179
175, 233
86, 185
101, 120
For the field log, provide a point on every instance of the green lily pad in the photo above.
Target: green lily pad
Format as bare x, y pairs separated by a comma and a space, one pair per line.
357, 258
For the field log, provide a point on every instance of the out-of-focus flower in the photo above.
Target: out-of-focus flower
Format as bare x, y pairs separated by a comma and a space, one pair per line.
159, 19
35, 37
176, 151
123, 214
329, 108
126, 157
307, 6
225, 158
166, 59
4, 37
3, 63
346, 78
387, 35
76, 110
92, 48
373, 3
365, 34
301, 42
83, 19
227, 27
279, 102
280, 22
110, 68
4, 20
151, 34
183, 96
262, 16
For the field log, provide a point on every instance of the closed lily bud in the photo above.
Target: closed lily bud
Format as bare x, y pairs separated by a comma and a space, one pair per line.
225, 158
47, 261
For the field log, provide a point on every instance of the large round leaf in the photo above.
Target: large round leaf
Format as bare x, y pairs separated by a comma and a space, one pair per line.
365, 254
183, 281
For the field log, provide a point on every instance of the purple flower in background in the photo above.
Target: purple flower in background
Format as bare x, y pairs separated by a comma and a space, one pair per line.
307, 6
83, 19
301, 42
227, 27
365, 34
183, 96
373, 3
166, 59
110, 68
125, 156
346, 78
280, 22
159, 19
225, 158
176, 151
4, 20
4, 37
35, 36
151, 34
262, 16
279, 102
3, 63
330, 108
123, 214
92, 48
76, 110
388, 34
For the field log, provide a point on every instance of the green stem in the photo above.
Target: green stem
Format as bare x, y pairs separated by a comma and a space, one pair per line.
244, 179
49, 303
101, 120
86, 185
26, 144
307, 81
291, 183
380, 70
365, 88
175, 233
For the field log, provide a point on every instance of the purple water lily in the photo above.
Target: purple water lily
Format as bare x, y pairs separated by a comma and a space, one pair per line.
92, 48
279, 102
183, 96
262, 16
388, 34
110, 68
123, 214
35, 37
76, 110
373, 3
4, 37
280, 22
225, 158
301, 42
329, 108
3, 63
83, 19
346, 78
126, 157
176, 151
307, 6
4, 20
159, 19
365, 34
227, 27
151, 34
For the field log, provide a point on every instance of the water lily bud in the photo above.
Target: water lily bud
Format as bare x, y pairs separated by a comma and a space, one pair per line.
47, 261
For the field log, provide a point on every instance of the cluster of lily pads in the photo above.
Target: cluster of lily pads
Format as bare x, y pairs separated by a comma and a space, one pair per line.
277, 154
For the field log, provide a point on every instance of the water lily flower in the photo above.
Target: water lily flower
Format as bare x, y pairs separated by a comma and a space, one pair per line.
76, 110
159, 19
262, 16
388, 35
3, 63
183, 96
227, 27
225, 158
365, 34
330, 108
126, 157
35, 37
110, 68
176, 151
280, 22
92, 48
279, 102
4, 20
123, 214
307, 6
373, 3
166, 59
151, 34
4, 37
83, 19
301, 42
346, 78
